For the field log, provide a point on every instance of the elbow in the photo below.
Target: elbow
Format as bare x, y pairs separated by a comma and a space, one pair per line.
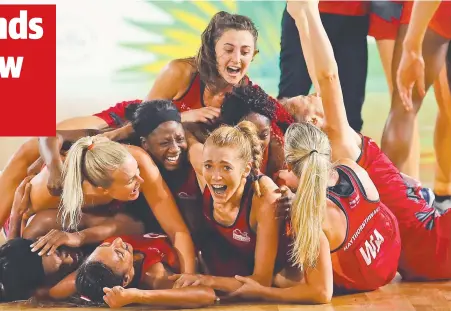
323, 295
207, 297
329, 76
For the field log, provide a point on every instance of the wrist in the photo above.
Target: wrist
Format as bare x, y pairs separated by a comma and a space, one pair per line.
413, 46
263, 292
138, 296
207, 280
80, 238
56, 163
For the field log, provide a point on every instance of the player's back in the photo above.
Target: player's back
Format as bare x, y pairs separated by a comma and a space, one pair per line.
368, 257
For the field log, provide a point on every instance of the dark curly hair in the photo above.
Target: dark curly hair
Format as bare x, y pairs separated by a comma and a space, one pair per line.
246, 99
21, 270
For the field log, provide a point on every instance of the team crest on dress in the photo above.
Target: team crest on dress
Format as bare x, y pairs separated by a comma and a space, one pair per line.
241, 236
154, 236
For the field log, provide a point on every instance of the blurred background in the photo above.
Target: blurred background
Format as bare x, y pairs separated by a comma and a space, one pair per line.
111, 50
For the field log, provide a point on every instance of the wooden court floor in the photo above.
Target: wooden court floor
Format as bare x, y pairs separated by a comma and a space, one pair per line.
396, 296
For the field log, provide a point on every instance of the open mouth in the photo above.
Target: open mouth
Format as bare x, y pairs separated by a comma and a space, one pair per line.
173, 160
135, 190
219, 189
233, 70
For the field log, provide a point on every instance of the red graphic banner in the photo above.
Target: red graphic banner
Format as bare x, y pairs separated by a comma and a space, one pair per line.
28, 70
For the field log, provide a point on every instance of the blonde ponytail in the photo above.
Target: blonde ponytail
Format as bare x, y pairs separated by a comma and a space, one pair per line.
93, 159
244, 137
307, 151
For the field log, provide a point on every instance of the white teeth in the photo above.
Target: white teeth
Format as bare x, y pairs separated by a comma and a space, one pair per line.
172, 159
234, 68
217, 186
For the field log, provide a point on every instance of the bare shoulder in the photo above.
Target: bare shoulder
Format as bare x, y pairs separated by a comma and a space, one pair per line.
140, 155
357, 169
173, 80
269, 190
363, 177
180, 68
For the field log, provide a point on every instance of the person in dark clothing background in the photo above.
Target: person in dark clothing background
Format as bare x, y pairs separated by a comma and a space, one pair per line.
346, 24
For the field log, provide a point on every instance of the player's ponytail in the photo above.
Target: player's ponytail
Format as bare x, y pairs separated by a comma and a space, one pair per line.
307, 151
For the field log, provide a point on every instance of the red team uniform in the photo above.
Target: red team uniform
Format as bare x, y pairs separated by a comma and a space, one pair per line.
425, 234
230, 250
386, 16
368, 257
155, 248
385, 19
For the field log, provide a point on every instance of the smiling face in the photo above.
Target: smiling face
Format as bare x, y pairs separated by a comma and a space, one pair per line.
167, 145
118, 256
263, 125
61, 262
126, 181
234, 52
223, 171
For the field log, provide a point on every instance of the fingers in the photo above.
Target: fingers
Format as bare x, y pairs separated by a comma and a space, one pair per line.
421, 87
106, 290
45, 243
209, 114
240, 278
117, 289
22, 186
35, 168
26, 195
215, 111
174, 277
185, 281
284, 189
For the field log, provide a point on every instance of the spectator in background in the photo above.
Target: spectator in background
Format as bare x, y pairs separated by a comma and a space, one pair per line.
346, 24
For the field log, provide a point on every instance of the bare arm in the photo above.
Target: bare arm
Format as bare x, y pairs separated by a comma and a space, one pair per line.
164, 207
314, 37
20, 206
64, 288
188, 297
268, 232
82, 122
317, 287
266, 249
195, 149
14, 173
422, 13
50, 148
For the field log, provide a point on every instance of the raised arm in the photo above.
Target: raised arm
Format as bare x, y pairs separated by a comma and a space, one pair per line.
50, 151
314, 38
422, 13
163, 205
